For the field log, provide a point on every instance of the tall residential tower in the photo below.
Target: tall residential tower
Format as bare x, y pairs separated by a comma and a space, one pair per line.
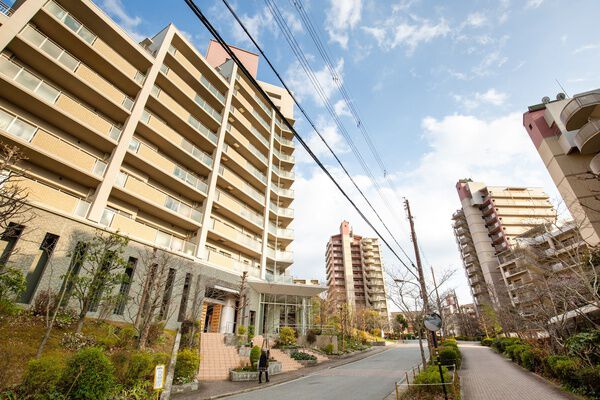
355, 272
486, 225
177, 151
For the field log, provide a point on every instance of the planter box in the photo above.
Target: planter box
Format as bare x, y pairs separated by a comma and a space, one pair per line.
307, 363
275, 367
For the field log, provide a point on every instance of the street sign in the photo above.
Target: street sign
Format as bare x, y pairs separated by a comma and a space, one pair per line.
433, 322
159, 377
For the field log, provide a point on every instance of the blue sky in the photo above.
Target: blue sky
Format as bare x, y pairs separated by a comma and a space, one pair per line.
440, 85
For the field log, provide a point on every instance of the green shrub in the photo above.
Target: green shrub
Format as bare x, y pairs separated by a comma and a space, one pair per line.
449, 342
501, 344
585, 345
449, 356
311, 336
140, 367
328, 349
563, 368
127, 336
250, 332
588, 381
531, 359
42, 376
155, 334
431, 375
300, 355
376, 332
88, 375
287, 336
487, 341
254, 356
514, 351
241, 330
186, 367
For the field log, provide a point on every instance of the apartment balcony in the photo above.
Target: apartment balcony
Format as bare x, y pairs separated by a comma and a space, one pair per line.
190, 124
223, 260
282, 235
498, 238
233, 183
30, 92
280, 256
156, 202
472, 270
579, 110
166, 172
238, 212
174, 145
284, 175
244, 146
43, 54
281, 212
511, 272
487, 210
284, 195
495, 227
211, 81
478, 290
240, 122
587, 138
595, 164
258, 117
233, 238
490, 219
475, 280
58, 199
464, 240
501, 247
284, 158
51, 151
470, 259
237, 163
89, 48
284, 142
139, 230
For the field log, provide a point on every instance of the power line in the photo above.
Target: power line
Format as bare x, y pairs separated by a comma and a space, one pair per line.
222, 42
303, 61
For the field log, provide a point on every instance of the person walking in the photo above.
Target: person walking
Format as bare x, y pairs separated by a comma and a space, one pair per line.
263, 366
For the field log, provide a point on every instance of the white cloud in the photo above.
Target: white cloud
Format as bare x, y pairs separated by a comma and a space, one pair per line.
298, 81
115, 9
586, 47
255, 24
476, 20
533, 3
378, 34
342, 16
328, 129
413, 35
341, 108
489, 62
491, 96
496, 151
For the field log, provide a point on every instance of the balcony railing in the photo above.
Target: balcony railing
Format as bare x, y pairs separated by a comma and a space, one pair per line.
285, 212
239, 207
5, 9
283, 174
242, 184
284, 157
279, 255
270, 277
284, 141
280, 232
235, 235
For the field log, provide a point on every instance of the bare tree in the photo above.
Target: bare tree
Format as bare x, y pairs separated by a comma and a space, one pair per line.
151, 302
14, 212
242, 298
101, 268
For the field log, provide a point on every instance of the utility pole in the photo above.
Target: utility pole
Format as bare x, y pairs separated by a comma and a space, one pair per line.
439, 304
424, 296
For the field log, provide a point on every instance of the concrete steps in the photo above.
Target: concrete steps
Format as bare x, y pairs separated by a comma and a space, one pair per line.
216, 359
287, 363
320, 357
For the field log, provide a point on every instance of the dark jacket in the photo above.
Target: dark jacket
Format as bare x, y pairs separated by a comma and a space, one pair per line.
264, 361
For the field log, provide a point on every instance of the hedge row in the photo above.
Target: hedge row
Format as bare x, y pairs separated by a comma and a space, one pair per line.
569, 370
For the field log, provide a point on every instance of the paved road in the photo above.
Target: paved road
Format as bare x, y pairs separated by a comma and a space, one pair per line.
371, 378
487, 375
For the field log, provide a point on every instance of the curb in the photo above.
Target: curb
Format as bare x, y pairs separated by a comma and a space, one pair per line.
253, 388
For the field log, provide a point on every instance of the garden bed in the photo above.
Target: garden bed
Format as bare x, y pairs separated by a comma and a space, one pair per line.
248, 374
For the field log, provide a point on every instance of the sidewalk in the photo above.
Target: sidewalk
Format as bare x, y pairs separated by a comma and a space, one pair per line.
485, 374
217, 389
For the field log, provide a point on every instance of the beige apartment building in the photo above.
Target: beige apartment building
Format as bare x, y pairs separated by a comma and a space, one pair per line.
566, 134
543, 253
355, 273
487, 224
153, 140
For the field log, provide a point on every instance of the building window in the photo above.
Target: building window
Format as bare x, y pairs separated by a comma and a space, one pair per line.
155, 91
11, 235
184, 298
82, 208
121, 179
96, 296
166, 300
115, 133
107, 216
139, 77
99, 168
125, 286
164, 69
77, 260
128, 103
17, 127
145, 118
134, 145
35, 274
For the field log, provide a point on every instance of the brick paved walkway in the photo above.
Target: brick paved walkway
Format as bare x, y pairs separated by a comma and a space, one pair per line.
487, 375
